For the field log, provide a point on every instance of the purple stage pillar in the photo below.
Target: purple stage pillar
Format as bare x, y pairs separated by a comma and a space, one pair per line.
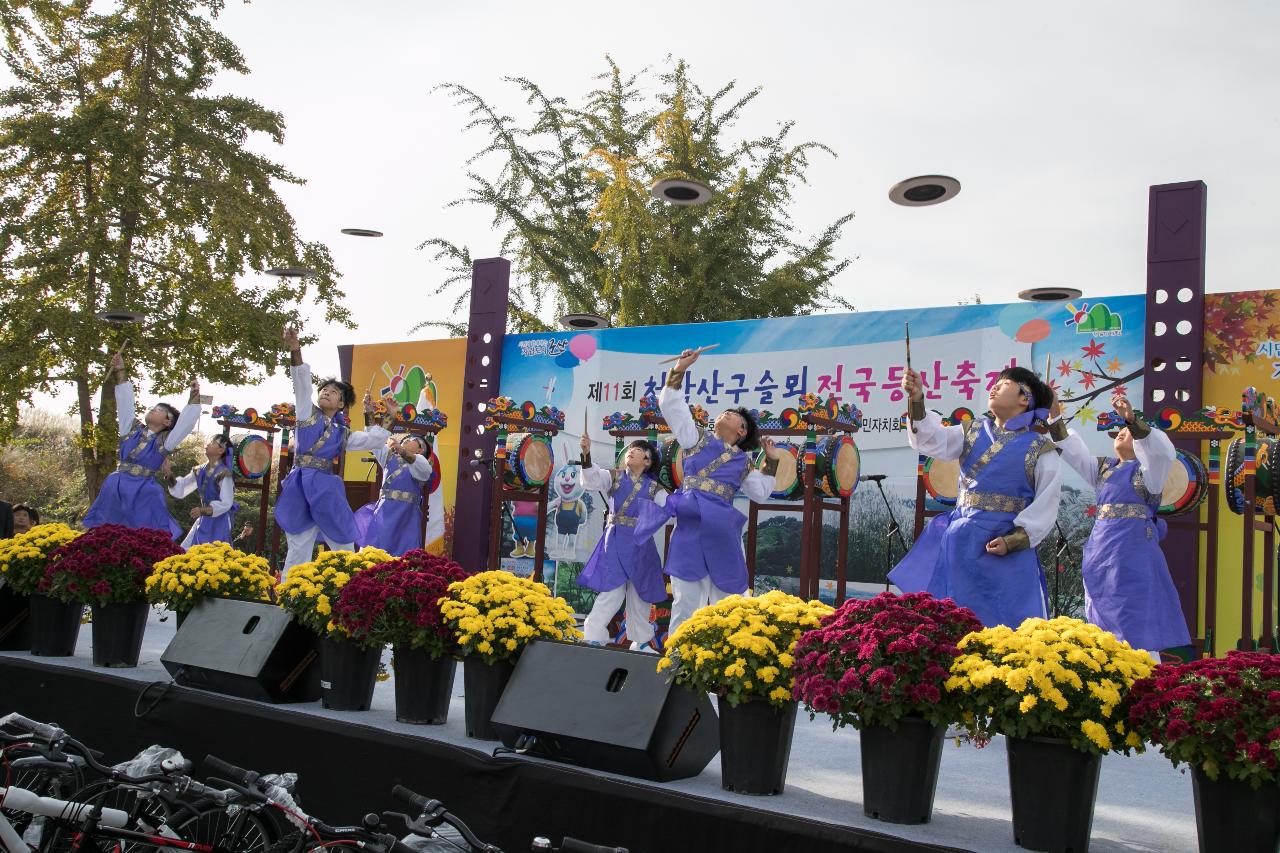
488, 323
1174, 375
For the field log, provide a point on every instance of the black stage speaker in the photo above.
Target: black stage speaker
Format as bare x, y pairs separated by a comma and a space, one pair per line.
607, 709
244, 648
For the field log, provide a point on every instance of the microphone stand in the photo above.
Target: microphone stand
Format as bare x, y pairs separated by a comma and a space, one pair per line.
891, 529
1063, 548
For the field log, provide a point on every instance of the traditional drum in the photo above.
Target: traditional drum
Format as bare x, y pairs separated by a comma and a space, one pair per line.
530, 457
1264, 487
1186, 485
838, 464
1233, 475
253, 456
788, 484
942, 480
671, 470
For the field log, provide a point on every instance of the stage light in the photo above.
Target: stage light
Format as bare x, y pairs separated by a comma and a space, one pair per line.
924, 190
291, 272
361, 232
1050, 294
682, 192
584, 322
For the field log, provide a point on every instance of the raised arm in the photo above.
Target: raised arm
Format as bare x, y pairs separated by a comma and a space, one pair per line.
187, 419
124, 396
1156, 456
927, 434
1075, 454
301, 372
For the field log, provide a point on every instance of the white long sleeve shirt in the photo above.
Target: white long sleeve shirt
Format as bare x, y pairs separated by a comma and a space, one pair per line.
226, 491
419, 468
757, 487
947, 442
601, 480
1155, 454
370, 438
125, 402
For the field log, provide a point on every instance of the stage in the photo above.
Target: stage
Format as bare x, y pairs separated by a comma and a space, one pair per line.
348, 762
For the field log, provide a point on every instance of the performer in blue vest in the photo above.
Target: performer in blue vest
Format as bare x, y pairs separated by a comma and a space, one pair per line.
1127, 587
313, 501
394, 522
624, 567
132, 495
706, 560
982, 553
216, 485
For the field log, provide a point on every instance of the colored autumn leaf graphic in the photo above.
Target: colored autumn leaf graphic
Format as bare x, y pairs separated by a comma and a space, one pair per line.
1233, 323
1094, 349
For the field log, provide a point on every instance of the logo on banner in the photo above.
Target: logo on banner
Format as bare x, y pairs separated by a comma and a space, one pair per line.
1099, 321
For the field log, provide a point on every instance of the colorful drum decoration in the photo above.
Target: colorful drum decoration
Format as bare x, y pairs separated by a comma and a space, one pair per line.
942, 480
1233, 475
788, 484
838, 465
433, 482
1264, 487
253, 456
531, 458
1186, 486
671, 471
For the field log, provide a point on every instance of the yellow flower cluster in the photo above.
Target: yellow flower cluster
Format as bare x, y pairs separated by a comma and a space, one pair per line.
741, 647
1060, 678
23, 557
309, 589
495, 614
214, 569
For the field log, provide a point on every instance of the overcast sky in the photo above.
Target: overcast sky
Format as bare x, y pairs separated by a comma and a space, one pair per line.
1055, 118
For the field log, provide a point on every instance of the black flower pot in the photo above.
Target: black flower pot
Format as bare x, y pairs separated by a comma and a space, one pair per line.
483, 684
348, 673
1232, 817
15, 621
55, 626
755, 746
180, 616
423, 686
1053, 788
900, 770
117, 633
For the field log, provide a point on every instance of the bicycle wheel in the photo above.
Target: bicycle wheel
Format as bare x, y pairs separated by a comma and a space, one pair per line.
46, 783
147, 811
235, 829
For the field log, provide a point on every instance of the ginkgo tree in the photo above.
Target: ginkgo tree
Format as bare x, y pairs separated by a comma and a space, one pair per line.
568, 186
126, 185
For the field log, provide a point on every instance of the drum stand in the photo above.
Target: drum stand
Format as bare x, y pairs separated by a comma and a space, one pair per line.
1063, 549
502, 493
891, 530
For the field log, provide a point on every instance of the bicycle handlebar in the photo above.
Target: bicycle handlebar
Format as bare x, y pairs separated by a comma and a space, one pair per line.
40, 730
226, 770
29, 801
573, 845
435, 810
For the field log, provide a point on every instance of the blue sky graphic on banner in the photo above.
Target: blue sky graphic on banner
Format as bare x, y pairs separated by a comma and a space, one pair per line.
1093, 347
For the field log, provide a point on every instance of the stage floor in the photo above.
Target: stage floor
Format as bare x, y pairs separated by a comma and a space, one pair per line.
1143, 804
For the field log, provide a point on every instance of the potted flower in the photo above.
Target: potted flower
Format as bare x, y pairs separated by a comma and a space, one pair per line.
348, 668
23, 559
881, 666
1058, 690
214, 570
107, 567
397, 603
1220, 716
493, 615
741, 650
